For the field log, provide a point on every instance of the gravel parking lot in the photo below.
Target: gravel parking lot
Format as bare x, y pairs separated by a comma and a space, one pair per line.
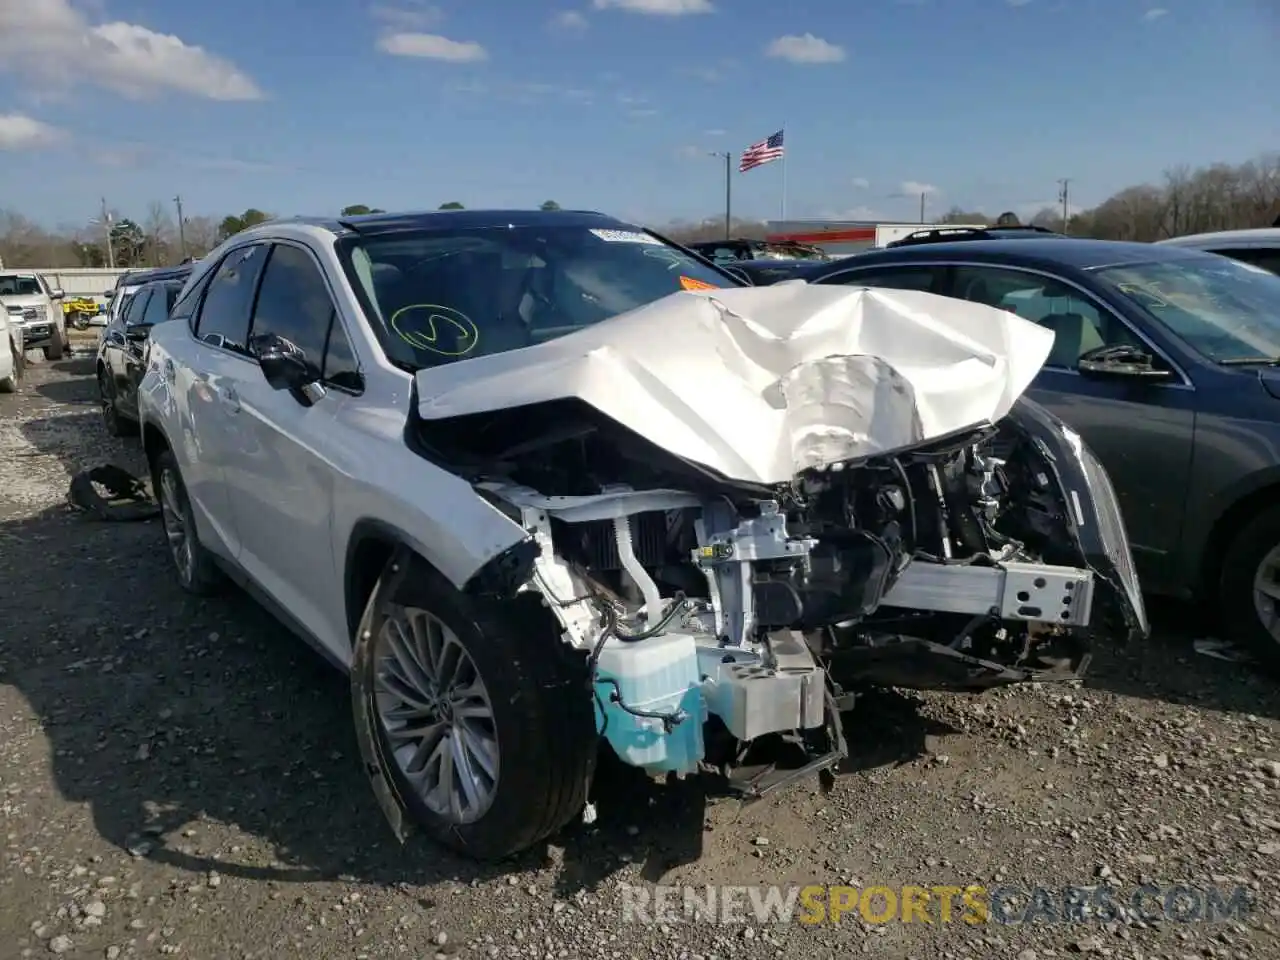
179, 777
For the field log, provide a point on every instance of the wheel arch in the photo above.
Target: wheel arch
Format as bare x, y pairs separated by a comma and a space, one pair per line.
154, 443
1264, 492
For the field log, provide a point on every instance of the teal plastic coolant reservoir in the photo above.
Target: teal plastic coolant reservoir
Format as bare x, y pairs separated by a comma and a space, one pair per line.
659, 675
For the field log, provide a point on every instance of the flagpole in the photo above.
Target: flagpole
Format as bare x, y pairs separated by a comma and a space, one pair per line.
784, 173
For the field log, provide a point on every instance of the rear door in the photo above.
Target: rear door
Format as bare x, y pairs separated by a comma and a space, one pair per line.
208, 381
117, 348
282, 480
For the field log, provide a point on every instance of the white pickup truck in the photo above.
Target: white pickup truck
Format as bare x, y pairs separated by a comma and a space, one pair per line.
32, 305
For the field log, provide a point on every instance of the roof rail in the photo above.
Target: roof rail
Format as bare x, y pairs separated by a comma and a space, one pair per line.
945, 234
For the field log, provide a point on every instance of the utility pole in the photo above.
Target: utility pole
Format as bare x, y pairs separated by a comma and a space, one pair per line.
922, 199
182, 228
728, 192
1064, 196
106, 225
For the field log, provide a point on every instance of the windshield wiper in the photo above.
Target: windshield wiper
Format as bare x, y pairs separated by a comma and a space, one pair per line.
1249, 361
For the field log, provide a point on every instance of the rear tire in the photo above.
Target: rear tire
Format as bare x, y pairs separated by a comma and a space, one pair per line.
1249, 588
116, 425
197, 571
540, 714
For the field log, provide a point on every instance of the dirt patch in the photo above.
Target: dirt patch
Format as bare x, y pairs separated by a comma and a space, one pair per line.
180, 777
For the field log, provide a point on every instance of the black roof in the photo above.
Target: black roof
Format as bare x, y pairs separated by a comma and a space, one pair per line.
1078, 252
378, 223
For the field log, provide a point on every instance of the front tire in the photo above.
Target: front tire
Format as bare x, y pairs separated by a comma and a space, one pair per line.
197, 572
484, 720
1249, 590
55, 349
10, 383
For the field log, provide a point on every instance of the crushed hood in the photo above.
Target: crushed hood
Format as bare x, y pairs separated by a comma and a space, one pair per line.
759, 383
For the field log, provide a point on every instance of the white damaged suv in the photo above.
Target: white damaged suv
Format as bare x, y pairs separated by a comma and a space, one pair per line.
543, 482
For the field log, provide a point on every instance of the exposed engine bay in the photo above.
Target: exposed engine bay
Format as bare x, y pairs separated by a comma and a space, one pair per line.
984, 558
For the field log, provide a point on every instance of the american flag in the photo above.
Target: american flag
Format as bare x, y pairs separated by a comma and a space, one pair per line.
766, 151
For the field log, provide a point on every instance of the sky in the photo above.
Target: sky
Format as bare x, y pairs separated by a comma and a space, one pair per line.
306, 106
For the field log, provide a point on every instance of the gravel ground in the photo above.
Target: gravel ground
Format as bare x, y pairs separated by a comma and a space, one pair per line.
180, 777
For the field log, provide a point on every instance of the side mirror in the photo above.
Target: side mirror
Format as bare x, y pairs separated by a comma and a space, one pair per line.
138, 332
110, 293
739, 274
283, 364
1121, 363
57, 294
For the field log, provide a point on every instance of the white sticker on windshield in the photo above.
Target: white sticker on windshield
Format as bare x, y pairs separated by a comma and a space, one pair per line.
626, 236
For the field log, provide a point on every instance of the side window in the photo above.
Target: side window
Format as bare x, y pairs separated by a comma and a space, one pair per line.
224, 314
1258, 256
1077, 323
340, 366
293, 303
891, 278
157, 307
185, 306
136, 307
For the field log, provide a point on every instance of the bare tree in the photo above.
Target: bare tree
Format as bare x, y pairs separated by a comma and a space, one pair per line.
202, 235
159, 230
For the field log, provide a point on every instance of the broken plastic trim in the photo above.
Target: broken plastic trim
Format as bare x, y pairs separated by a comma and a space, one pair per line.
372, 754
130, 499
505, 572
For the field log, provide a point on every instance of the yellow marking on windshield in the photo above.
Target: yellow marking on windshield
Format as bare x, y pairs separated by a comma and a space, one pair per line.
427, 339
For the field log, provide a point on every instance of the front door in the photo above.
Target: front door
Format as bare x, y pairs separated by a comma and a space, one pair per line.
1142, 431
282, 481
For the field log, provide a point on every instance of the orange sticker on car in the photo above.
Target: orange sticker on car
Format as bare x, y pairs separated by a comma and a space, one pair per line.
691, 284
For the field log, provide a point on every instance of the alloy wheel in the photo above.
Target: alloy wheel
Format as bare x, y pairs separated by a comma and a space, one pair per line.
436, 713
174, 518
1266, 592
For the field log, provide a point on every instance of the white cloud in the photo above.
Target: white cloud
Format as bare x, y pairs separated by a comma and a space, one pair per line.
714, 132
432, 46
690, 152
18, 132
913, 188
861, 183
410, 16
1155, 13
569, 21
805, 48
657, 8
39, 39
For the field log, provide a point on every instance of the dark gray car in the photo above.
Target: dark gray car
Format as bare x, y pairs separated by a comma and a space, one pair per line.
1167, 362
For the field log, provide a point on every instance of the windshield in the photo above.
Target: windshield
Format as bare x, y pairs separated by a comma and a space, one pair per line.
440, 296
1225, 309
20, 287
